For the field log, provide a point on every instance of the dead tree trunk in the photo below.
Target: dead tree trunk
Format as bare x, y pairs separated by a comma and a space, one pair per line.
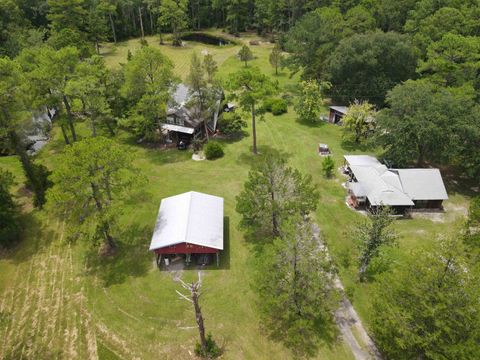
194, 289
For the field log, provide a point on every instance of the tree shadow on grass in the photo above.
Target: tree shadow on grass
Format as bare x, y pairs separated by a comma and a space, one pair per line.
304, 340
311, 124
166, 156
457, 183
250, 159
131, 259
232, 138
350, 145
32, 238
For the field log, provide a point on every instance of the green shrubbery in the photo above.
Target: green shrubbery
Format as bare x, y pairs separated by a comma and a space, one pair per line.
213, 150
211, 352
275, 106
231, 124
328, 165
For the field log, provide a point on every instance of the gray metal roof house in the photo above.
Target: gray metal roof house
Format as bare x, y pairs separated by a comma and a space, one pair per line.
372, 184
183, 118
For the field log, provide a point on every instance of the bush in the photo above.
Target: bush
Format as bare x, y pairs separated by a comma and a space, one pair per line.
279, 107
275, 106
213, 150
327, 166
231, 123
212, 351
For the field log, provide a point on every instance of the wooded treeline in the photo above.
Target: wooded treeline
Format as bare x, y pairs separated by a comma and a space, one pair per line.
25, 22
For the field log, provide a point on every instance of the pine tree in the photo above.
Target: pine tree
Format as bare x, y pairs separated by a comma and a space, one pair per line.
245, 54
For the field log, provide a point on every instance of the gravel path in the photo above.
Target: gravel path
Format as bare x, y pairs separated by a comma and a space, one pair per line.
347, 319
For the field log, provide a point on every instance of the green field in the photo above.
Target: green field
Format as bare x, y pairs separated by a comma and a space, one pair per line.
58, 301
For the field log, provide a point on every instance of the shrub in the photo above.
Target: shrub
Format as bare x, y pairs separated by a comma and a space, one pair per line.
212, 350
213, 150
231, 123
275, 106
327, 166
279, 107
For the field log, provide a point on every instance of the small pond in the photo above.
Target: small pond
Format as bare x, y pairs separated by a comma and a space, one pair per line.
206, 39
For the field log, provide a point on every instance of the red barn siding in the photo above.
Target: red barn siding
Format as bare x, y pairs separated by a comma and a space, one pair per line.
185, 248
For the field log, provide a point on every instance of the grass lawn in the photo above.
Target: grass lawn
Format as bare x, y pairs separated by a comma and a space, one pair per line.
57, 300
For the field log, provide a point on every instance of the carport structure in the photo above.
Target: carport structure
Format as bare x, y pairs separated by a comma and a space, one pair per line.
189, 223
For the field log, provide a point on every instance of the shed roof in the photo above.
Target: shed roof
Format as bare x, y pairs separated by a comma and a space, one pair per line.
191, 217
341, 109
361, 160
423, 184
178, 128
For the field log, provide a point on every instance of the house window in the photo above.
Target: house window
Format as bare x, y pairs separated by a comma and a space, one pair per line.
179, 121
170, 120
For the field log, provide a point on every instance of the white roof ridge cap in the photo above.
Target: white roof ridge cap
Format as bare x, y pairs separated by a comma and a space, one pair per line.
187, 223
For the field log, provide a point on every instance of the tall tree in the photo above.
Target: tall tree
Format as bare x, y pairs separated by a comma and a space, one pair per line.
359, 120
428, 28
372, 235
237, 15
421, 122
96, 24
245, 54
365, 67
251, 88
358, 20
428, 308
453, 61
276, 57
310, 101
312, 40
210, 67
70, 14
12, 114
273, 193
173, 14
297, 296
203, 94
47, 71
89, 85
148, 80
91, 179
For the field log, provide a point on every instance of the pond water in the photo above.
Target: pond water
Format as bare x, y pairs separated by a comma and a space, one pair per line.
206, 39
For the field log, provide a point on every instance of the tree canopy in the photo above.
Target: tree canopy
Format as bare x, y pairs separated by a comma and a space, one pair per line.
273, 193
251, 88
365, 67
423, 121
90, 181
148, 81
428, 308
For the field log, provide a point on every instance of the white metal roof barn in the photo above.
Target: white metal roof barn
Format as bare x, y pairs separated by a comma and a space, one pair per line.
189, 223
